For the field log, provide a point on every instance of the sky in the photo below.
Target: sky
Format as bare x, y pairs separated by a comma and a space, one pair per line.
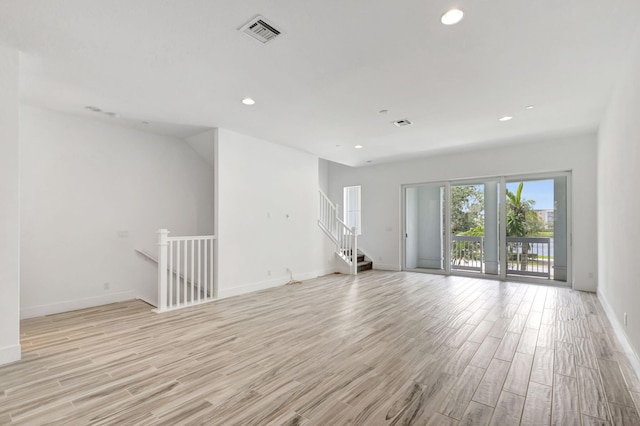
541, 191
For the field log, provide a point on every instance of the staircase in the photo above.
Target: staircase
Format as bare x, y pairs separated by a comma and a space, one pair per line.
343, 237
362, 263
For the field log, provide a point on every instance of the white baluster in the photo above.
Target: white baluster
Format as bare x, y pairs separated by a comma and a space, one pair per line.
170, 274
211, 275
199, 269
178, 263
193, 258
163, 234
354, 251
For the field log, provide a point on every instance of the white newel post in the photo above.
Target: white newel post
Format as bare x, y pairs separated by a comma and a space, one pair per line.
354, 252
163, 236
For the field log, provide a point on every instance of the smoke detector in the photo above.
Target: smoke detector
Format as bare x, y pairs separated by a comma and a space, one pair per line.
402, 123
260, 29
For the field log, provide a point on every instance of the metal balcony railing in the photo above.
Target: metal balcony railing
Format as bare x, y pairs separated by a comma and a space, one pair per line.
529, 256
467, 253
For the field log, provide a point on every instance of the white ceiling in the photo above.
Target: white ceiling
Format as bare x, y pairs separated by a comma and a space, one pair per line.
322, 83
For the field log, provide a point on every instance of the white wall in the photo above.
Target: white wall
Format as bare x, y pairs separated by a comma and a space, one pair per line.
381, 195
91, 194
329, 247
259, 184
205, 144
619, 201
9, 207
323, 174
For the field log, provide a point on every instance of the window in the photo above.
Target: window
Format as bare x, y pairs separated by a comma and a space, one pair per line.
352, 207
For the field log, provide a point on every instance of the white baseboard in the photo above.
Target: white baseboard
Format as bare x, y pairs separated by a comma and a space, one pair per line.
620, 333
10, 354
386, 267
146, 300
249, 288
274, 282
72, 305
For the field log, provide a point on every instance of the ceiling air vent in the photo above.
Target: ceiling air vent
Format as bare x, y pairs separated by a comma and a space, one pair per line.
402, 123
260, 29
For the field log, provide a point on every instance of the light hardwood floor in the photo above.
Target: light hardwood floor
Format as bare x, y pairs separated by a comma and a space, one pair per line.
381, 348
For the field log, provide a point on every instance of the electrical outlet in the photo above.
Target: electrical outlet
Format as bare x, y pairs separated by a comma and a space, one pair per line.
106, 286
625, 319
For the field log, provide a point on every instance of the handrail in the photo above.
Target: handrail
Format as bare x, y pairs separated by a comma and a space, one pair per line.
542, 240
147, 255
328, 200
195, 238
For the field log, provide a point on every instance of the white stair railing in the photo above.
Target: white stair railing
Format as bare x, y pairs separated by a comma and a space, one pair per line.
345, 238
185, 270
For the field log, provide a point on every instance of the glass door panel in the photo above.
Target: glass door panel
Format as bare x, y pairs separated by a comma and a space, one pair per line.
424, 227
536, 228
474, 228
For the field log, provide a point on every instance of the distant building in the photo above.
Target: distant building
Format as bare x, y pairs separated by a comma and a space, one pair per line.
546, 216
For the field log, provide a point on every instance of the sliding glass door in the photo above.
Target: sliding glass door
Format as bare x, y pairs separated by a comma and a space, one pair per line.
502, 227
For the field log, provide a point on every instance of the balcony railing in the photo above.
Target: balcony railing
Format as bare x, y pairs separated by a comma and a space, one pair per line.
529, 256
467, 253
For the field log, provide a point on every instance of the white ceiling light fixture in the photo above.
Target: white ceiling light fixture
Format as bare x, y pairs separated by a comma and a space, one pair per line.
529, 107
452, 17
248, 101
505, 118
358, 147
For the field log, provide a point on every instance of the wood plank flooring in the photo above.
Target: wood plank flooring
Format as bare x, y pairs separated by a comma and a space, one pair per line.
381, 348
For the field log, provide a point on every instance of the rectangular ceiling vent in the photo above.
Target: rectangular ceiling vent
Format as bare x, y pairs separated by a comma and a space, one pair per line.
402, 123
260, 29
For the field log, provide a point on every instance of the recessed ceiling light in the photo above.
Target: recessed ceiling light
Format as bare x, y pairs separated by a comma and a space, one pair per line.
369, 161
92, 108
248, 101
529, 107
358, 147
505, 118
383, 111
452, 17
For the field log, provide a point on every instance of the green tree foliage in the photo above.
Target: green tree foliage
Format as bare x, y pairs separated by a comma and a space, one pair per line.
478, 231
467, 208
522, 221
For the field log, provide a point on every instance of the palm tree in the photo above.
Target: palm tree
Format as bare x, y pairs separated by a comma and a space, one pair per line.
517, 221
